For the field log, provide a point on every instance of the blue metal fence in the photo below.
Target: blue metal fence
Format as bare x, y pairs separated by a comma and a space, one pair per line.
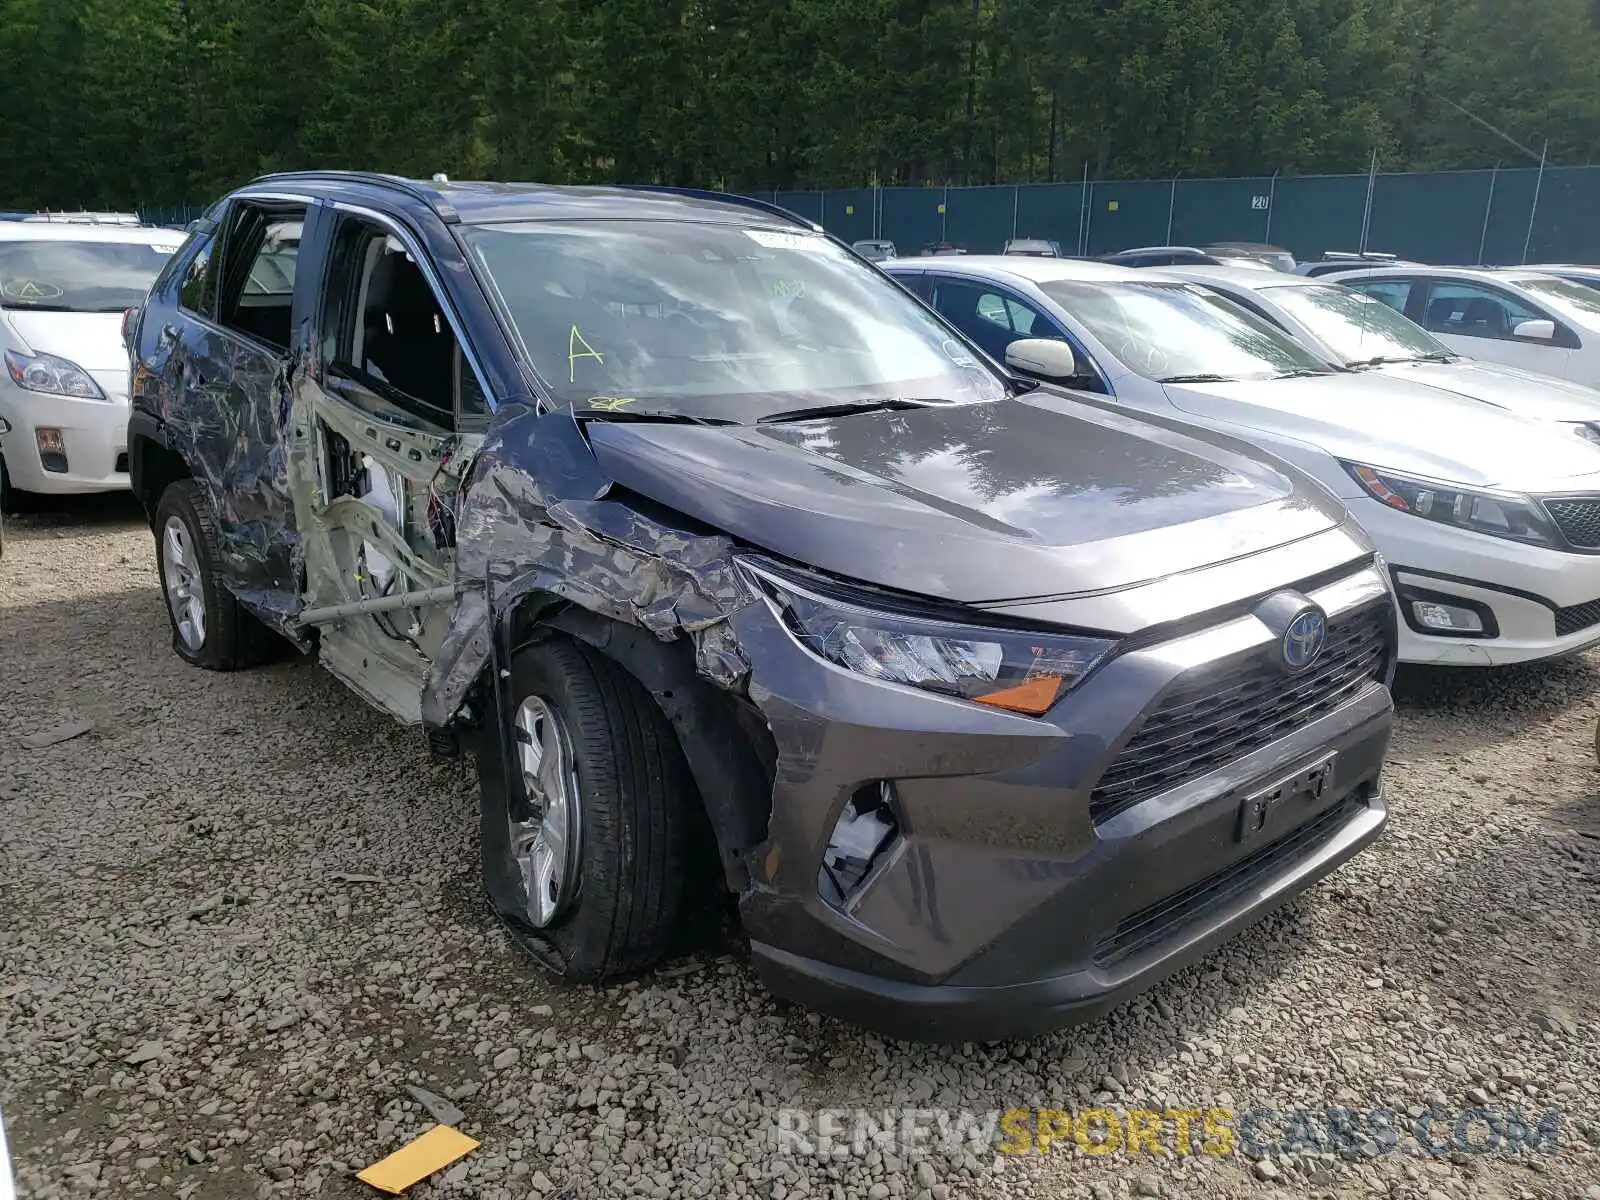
1500, 216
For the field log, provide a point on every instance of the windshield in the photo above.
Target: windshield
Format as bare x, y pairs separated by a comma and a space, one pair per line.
1357, 327
1575, 301
1176, 332
714, 321
64, 276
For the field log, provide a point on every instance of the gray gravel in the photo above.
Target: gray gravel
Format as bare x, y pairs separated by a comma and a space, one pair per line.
243, 953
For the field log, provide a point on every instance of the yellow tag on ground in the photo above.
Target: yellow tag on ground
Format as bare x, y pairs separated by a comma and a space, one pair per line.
434, 1150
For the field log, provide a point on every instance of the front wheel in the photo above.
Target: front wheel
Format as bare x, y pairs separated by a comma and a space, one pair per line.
584, 846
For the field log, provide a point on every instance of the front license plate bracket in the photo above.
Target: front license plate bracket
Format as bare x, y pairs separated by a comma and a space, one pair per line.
1259, 810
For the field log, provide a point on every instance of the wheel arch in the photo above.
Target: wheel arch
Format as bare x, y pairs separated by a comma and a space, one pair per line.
153, 466
729, 749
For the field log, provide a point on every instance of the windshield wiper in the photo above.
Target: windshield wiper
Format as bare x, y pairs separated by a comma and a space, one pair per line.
1441, 356
890, 404
657, 416
1200, 377
1303, 373
1379, 360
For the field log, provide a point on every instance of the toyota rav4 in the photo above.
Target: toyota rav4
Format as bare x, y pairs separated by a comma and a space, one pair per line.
991, 706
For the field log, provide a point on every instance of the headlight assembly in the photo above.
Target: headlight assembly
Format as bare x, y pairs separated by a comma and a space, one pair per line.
1019, 670
1589, 431
1497, 514
51, 375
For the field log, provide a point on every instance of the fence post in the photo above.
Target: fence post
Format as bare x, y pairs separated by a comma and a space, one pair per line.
1084, 213
1016, 191
1172, 204
1272, 199
1488, 207
1366, 216
944, 215
1538, 183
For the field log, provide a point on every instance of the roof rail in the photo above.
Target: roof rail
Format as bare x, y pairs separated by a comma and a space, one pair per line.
399, 183
744, 201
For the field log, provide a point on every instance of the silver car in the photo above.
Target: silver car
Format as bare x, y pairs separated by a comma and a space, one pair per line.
1490, 522
1356, 331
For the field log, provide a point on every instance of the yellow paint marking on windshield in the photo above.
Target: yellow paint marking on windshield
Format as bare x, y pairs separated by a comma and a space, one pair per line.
611, 403
574, 340
31, 289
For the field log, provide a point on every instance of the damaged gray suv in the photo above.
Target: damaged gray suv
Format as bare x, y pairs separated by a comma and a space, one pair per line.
736, 568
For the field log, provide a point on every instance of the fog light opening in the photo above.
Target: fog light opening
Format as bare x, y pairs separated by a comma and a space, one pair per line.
867, 828
1446, 617
52, 449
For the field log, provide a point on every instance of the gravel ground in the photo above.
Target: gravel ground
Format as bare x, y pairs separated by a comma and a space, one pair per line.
240, 916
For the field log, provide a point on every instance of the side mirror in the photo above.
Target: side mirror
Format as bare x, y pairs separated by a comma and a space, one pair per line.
1043, 358
1541, 330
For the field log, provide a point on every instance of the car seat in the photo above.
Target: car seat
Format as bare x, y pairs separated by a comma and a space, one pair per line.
1485, 318
406, 337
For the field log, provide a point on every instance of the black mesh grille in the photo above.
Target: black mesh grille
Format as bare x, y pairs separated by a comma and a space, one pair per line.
122, 464
1578, 520
1579, 616
1157, 921
1218, 714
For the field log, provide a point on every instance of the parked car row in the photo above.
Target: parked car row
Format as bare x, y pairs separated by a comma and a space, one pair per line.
1487, 510
1002, 631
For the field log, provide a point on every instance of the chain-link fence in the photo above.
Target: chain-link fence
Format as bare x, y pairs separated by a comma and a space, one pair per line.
1498, 216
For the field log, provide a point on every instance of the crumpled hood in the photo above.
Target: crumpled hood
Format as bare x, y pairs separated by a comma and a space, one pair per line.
972, 503
1526, 393
1410, 427
92, 340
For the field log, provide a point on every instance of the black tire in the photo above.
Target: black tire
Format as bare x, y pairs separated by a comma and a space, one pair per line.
635, 794
233, 638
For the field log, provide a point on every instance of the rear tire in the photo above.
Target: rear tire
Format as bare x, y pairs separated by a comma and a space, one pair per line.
605, 902
209, 627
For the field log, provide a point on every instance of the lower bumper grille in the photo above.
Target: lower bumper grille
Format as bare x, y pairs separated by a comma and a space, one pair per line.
122, 464
1577, 618
1156, 922
1217, 714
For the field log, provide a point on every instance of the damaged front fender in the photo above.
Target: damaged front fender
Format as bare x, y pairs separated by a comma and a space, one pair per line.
543, 535
539, 518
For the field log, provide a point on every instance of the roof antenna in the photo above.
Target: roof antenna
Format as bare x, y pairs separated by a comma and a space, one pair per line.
440, 177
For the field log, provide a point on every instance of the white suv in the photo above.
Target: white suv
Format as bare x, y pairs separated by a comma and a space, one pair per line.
63, 367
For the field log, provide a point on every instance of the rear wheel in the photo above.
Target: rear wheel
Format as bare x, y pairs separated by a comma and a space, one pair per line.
209, 628
584, 843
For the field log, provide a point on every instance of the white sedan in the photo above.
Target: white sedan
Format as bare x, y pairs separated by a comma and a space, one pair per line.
1508, 315
63, 367
1490, 522
1353, 330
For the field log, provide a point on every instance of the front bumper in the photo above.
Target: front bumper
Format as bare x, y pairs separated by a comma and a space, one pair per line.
1542, 603
954, 1012
1015, 896
95, 434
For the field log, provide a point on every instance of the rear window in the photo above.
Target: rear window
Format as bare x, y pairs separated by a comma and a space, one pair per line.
65, 276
